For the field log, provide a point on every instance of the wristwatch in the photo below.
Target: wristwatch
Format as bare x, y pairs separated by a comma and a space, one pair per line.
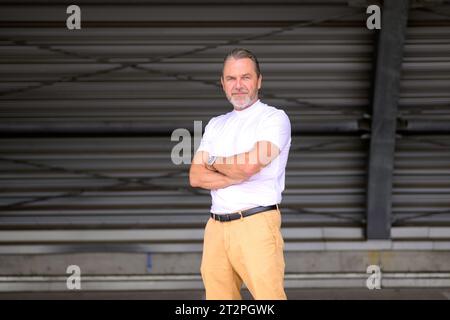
211, 160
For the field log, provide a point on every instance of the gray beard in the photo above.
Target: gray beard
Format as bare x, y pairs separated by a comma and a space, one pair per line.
241, 104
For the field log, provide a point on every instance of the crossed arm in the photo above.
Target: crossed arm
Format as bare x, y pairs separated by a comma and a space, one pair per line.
227, 171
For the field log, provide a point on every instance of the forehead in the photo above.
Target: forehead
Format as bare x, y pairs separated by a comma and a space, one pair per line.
238, 66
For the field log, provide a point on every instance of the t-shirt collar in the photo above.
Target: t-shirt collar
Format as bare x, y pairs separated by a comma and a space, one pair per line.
247, 111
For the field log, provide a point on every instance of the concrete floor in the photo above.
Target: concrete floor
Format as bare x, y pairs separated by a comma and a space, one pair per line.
293, 294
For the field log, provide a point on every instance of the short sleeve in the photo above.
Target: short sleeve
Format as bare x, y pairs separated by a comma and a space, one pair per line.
275, 128
206, 143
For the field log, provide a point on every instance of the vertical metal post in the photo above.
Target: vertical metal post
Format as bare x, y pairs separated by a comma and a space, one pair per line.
384, 117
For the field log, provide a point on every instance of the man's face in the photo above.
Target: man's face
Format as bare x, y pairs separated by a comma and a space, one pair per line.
240, 82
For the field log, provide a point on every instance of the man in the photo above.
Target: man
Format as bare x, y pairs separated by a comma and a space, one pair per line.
242, 159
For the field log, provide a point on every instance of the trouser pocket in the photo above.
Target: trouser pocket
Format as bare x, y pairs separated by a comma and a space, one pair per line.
273, 220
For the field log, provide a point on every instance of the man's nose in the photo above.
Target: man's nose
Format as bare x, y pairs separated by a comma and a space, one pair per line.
238, 84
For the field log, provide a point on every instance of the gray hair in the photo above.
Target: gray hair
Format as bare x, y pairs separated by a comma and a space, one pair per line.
241, 53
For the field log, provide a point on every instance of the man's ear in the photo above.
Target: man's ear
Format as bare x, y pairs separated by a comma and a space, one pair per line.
259, 81
221, 81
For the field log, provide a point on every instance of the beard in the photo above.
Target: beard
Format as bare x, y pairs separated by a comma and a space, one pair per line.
241, 102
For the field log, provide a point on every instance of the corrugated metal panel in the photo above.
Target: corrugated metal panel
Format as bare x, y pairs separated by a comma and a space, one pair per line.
132, 182
174, 92
421, 191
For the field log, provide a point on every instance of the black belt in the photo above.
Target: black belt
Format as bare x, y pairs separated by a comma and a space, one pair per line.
245, 213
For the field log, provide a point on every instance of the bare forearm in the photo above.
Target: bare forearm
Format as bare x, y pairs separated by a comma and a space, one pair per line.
245, 165
215, 180
231, 170
207, 179
237, 167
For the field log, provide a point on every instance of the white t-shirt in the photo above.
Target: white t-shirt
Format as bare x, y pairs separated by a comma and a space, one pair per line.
237, 132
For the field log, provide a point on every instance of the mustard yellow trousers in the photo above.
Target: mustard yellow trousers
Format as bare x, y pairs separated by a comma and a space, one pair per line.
248, 250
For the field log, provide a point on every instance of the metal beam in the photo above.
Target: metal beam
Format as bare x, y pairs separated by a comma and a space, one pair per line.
384, 118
